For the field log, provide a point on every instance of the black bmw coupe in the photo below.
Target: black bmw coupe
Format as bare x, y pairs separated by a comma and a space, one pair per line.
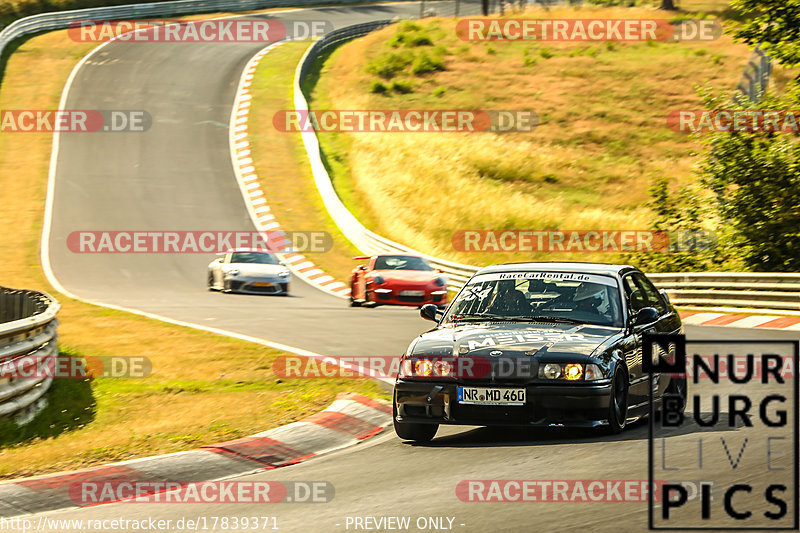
537, 344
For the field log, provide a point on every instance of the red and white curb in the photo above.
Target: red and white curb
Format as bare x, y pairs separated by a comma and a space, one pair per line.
254, 196
350, 419
700, 318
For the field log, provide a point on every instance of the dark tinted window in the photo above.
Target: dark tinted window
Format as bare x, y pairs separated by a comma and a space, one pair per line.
401, 262
641, 293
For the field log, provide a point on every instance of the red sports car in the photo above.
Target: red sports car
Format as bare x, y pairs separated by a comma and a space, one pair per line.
397, 279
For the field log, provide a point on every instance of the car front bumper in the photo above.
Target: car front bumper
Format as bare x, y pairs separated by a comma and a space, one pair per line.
395, 296
249, 285
546, 405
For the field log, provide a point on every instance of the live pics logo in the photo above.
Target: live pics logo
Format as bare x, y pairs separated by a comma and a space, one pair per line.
730, 451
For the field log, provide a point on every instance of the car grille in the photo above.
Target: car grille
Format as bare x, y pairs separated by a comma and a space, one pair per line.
266, 290
411, 299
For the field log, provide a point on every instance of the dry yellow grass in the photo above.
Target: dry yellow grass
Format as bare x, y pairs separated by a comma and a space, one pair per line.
196, 377
602, 138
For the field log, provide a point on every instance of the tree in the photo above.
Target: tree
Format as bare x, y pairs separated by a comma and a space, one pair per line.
752, 177
773, 24
668, 5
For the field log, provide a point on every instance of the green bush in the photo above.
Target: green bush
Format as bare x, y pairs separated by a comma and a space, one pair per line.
419, 39
439, 91
424, 63
546, 53
378, 87
388, 64
402, 86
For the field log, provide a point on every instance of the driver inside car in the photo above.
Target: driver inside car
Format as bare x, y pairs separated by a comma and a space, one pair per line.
588, 297
508, 300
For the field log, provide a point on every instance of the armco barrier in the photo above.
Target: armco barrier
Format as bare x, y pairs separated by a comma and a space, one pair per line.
747, 290
28, 327
61, 19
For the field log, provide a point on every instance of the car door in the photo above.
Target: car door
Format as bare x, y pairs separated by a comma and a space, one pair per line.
361, 281
668, 320
638, 393
219, 269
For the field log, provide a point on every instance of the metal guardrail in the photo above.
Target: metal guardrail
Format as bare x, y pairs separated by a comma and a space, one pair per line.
61, 19
747, 290
28, 328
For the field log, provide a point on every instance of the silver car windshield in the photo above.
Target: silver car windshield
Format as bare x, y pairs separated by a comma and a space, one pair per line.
539, 296
260, 258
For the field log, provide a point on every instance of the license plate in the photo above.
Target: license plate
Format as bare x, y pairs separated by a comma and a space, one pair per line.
262, 284
490, 396
412, 293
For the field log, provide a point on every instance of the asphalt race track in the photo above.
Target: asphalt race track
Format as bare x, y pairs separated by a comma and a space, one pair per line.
178, 176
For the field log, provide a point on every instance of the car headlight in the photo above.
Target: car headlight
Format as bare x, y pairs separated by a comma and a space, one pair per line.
378, 280
572, 371
440, 281
551, 371
283, 273
423, 367
233, 272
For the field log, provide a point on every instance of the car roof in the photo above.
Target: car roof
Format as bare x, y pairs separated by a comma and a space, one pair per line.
248, 250
564, 266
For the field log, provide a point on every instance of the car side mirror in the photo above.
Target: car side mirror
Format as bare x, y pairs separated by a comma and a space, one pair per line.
281, 263
646, 315
218, 260
429, 312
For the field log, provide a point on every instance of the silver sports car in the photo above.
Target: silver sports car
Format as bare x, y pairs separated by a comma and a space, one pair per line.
249, 271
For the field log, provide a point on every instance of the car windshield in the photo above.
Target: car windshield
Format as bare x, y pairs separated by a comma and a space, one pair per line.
401, 262
254, 257
539, 296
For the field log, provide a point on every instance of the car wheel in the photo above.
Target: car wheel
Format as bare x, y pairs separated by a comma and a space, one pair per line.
285, 289
226, 285
618, 402
413, 432
211, 281
353, 301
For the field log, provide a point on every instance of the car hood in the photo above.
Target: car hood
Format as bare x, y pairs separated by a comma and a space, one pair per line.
253, 269
408, 275
569, 341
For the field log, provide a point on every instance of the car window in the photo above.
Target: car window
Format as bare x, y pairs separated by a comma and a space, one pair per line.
401, 262
591, 299
254, 257
651, 295
641, 293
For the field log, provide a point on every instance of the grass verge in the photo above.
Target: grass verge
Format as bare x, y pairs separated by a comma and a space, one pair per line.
601, 142
196, 376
